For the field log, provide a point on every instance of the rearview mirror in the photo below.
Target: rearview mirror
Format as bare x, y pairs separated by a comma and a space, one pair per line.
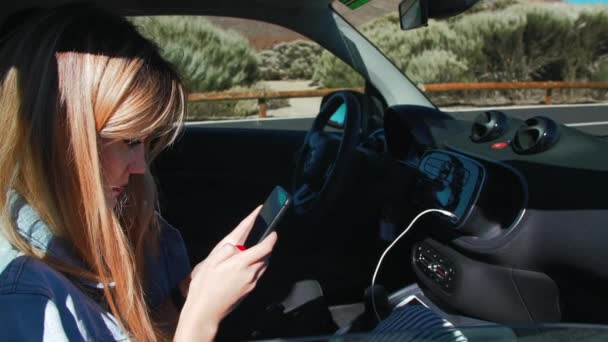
415, 13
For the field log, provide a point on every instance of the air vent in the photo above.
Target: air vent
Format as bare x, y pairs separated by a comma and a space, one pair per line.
536, 135
488, 126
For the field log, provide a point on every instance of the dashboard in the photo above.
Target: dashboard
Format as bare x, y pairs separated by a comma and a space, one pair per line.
529, 200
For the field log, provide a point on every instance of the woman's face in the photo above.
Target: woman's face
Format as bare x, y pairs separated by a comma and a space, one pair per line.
120, 159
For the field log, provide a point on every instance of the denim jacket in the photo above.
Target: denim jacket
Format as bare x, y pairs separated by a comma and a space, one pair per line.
39, 303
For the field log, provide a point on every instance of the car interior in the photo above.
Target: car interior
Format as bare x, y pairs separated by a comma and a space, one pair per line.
525, 246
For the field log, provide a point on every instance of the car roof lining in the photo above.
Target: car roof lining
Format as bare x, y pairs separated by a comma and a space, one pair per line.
263, 10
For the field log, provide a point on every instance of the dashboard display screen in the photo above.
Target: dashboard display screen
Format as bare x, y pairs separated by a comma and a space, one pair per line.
338, 117
452, 182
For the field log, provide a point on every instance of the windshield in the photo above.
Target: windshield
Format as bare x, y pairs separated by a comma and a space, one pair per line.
500, 51
499, 44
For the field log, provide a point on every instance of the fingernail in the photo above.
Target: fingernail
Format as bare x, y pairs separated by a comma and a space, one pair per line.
241, 247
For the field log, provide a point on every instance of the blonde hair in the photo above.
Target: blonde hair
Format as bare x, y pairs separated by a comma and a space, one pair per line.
69, 77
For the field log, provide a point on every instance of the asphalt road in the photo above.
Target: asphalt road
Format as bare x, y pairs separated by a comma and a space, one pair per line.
591, 118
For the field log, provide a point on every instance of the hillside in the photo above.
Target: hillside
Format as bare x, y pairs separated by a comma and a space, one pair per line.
263, 36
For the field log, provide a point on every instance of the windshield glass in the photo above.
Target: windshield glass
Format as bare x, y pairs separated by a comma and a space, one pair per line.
500, 44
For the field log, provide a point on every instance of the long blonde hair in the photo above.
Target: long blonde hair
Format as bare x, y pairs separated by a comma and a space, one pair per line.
69, 77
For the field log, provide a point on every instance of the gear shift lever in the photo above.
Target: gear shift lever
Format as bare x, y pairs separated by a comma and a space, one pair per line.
368, 320
380, 297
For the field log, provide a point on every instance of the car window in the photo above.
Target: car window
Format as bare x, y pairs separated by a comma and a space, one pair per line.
221, 57
507, 42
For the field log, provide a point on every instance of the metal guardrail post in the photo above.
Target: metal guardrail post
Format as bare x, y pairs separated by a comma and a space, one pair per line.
262, 107
548, 96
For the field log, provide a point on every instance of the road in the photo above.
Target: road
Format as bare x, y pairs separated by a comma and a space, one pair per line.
591, 118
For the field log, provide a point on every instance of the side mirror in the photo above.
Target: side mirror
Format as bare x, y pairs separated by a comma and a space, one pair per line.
413, 14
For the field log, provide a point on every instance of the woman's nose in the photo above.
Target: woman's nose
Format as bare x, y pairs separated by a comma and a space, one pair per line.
137, 162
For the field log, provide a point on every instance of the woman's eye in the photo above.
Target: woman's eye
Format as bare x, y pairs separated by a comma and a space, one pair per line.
132, 142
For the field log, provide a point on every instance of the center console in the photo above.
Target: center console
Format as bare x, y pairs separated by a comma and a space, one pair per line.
435, 266
488, 198
500, 294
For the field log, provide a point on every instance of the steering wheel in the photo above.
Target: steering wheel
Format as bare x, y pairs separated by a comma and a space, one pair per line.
325, 158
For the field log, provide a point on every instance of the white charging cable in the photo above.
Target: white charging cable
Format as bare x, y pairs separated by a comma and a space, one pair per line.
443, 212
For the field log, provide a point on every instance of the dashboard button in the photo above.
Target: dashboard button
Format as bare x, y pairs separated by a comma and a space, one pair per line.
499, 145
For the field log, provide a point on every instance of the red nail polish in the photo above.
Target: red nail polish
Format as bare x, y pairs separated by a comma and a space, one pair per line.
241, 247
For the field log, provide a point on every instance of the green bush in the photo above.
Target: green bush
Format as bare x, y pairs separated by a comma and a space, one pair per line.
588, 44
546, 51
530, 42
289, 61
207, 57
331, 72
402, 45
499, 39
491, 5
437, 66
601, 72
438, 41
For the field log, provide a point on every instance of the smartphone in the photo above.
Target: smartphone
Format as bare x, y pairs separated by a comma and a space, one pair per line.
273, 209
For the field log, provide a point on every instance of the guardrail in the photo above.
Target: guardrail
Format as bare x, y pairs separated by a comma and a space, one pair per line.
263, 95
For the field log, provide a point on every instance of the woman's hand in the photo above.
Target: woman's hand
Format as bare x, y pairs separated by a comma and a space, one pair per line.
219, 282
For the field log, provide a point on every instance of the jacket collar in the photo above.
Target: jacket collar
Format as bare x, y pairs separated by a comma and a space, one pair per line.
36, 232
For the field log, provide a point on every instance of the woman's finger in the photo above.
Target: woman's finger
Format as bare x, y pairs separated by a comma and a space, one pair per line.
253, 273
222, 253
259, 268
261, 271
260, 251
239, 234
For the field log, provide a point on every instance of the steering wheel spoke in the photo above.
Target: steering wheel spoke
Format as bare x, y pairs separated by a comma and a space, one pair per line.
326, 156
328, 172
304, 198
313, 140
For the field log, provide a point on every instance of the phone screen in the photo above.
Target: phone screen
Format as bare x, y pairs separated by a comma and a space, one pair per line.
274, 207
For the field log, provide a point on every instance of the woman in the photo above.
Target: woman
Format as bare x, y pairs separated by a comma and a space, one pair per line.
85, 104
